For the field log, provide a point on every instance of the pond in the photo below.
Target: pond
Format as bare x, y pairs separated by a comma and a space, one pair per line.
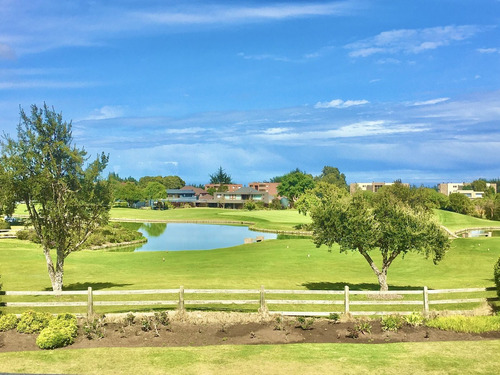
484, 233
190, 236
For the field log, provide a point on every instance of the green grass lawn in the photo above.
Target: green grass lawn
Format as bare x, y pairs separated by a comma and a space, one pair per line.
476, 357
455, 222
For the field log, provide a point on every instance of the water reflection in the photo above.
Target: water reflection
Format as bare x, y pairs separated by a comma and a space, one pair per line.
190, 236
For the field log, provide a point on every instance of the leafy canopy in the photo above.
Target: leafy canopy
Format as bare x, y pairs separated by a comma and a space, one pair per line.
65, 198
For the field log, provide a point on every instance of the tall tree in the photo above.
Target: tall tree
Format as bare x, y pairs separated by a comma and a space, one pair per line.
387, 225
332, 176
220, 177
294, 184
64, 195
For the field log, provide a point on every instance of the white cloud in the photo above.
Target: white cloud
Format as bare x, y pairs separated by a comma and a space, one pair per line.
225, 14
488, 50
431, 102
45, 84
106, 112
6, 52
339, 103
411, 41
276, 130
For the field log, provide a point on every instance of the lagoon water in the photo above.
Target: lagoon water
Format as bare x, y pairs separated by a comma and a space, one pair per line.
189, 236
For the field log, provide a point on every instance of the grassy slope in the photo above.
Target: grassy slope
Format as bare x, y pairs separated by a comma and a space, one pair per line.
454, 221
402, 358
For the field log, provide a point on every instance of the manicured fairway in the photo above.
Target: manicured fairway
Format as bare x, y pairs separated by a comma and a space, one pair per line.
480, 357
454, 221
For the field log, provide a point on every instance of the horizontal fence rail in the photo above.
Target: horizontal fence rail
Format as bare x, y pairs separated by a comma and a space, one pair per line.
340, 301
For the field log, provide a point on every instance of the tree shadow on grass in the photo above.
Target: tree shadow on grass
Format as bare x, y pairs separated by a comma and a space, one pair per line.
94, 286
361, 286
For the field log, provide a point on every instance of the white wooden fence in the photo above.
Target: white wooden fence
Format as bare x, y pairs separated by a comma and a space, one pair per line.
339, 300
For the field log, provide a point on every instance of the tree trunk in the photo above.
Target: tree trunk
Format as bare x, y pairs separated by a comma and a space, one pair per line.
382, 281
55, 275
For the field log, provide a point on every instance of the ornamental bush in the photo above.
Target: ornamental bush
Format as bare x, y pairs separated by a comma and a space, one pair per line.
60, 332
391, 322
33, 322
7, 322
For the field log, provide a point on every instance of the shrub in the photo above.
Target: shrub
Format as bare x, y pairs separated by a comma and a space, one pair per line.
8, 321
250, 206
28, 235
469, 324
54, 337
33, 322
146, 324
415, 319
129, 319
161, 318
496, 276
392, 322
360, 328
95, 328
304, 323
279, 324
4, 224
334, 317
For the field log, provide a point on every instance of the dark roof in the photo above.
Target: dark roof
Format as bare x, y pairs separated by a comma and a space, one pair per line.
180, 191
248, 191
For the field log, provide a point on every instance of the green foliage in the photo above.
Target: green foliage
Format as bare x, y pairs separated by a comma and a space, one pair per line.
334, 317
496, 275
59, 333
279, 324
362, 328
276, 204
361, 224
415, 319
250, 206
129, 319
469, 324
460, 203
332, 176
220, 177
8, 321
113, 233
392, 322
162, 318
305, 323
95, 328
155, 190
294, 184
4, 224
33, 322
146, 324
65, 198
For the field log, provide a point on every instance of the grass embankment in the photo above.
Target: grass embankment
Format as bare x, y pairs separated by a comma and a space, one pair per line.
402, 358
456, 222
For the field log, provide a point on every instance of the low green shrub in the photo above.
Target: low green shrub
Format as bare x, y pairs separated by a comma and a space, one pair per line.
305, 323
4, 224
279, 324
415, 319
334, 317
469, 324
8, 321
27, 235
392, 322
55, 337
496, 276
33, 322
360, 328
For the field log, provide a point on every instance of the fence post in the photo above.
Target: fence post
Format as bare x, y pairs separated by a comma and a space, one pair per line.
90, 304
263, 307
426, 301
181, 300
346, 300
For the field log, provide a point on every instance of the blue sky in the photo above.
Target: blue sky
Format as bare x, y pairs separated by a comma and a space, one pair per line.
380, 89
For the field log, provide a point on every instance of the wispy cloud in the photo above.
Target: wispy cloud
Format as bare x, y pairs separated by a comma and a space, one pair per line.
106, 112
412, 41
245, 14
264, 57
5, 85
431, 101
339, 103
488, 50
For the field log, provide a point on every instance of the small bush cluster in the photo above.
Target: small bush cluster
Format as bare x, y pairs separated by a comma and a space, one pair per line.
155, 322
361, 328
113, 233
415, 319
334, 317
7, 322
27, 235
95, 328
60, 332
279, 324
305, 323
33, 322
392, 322
469, 324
